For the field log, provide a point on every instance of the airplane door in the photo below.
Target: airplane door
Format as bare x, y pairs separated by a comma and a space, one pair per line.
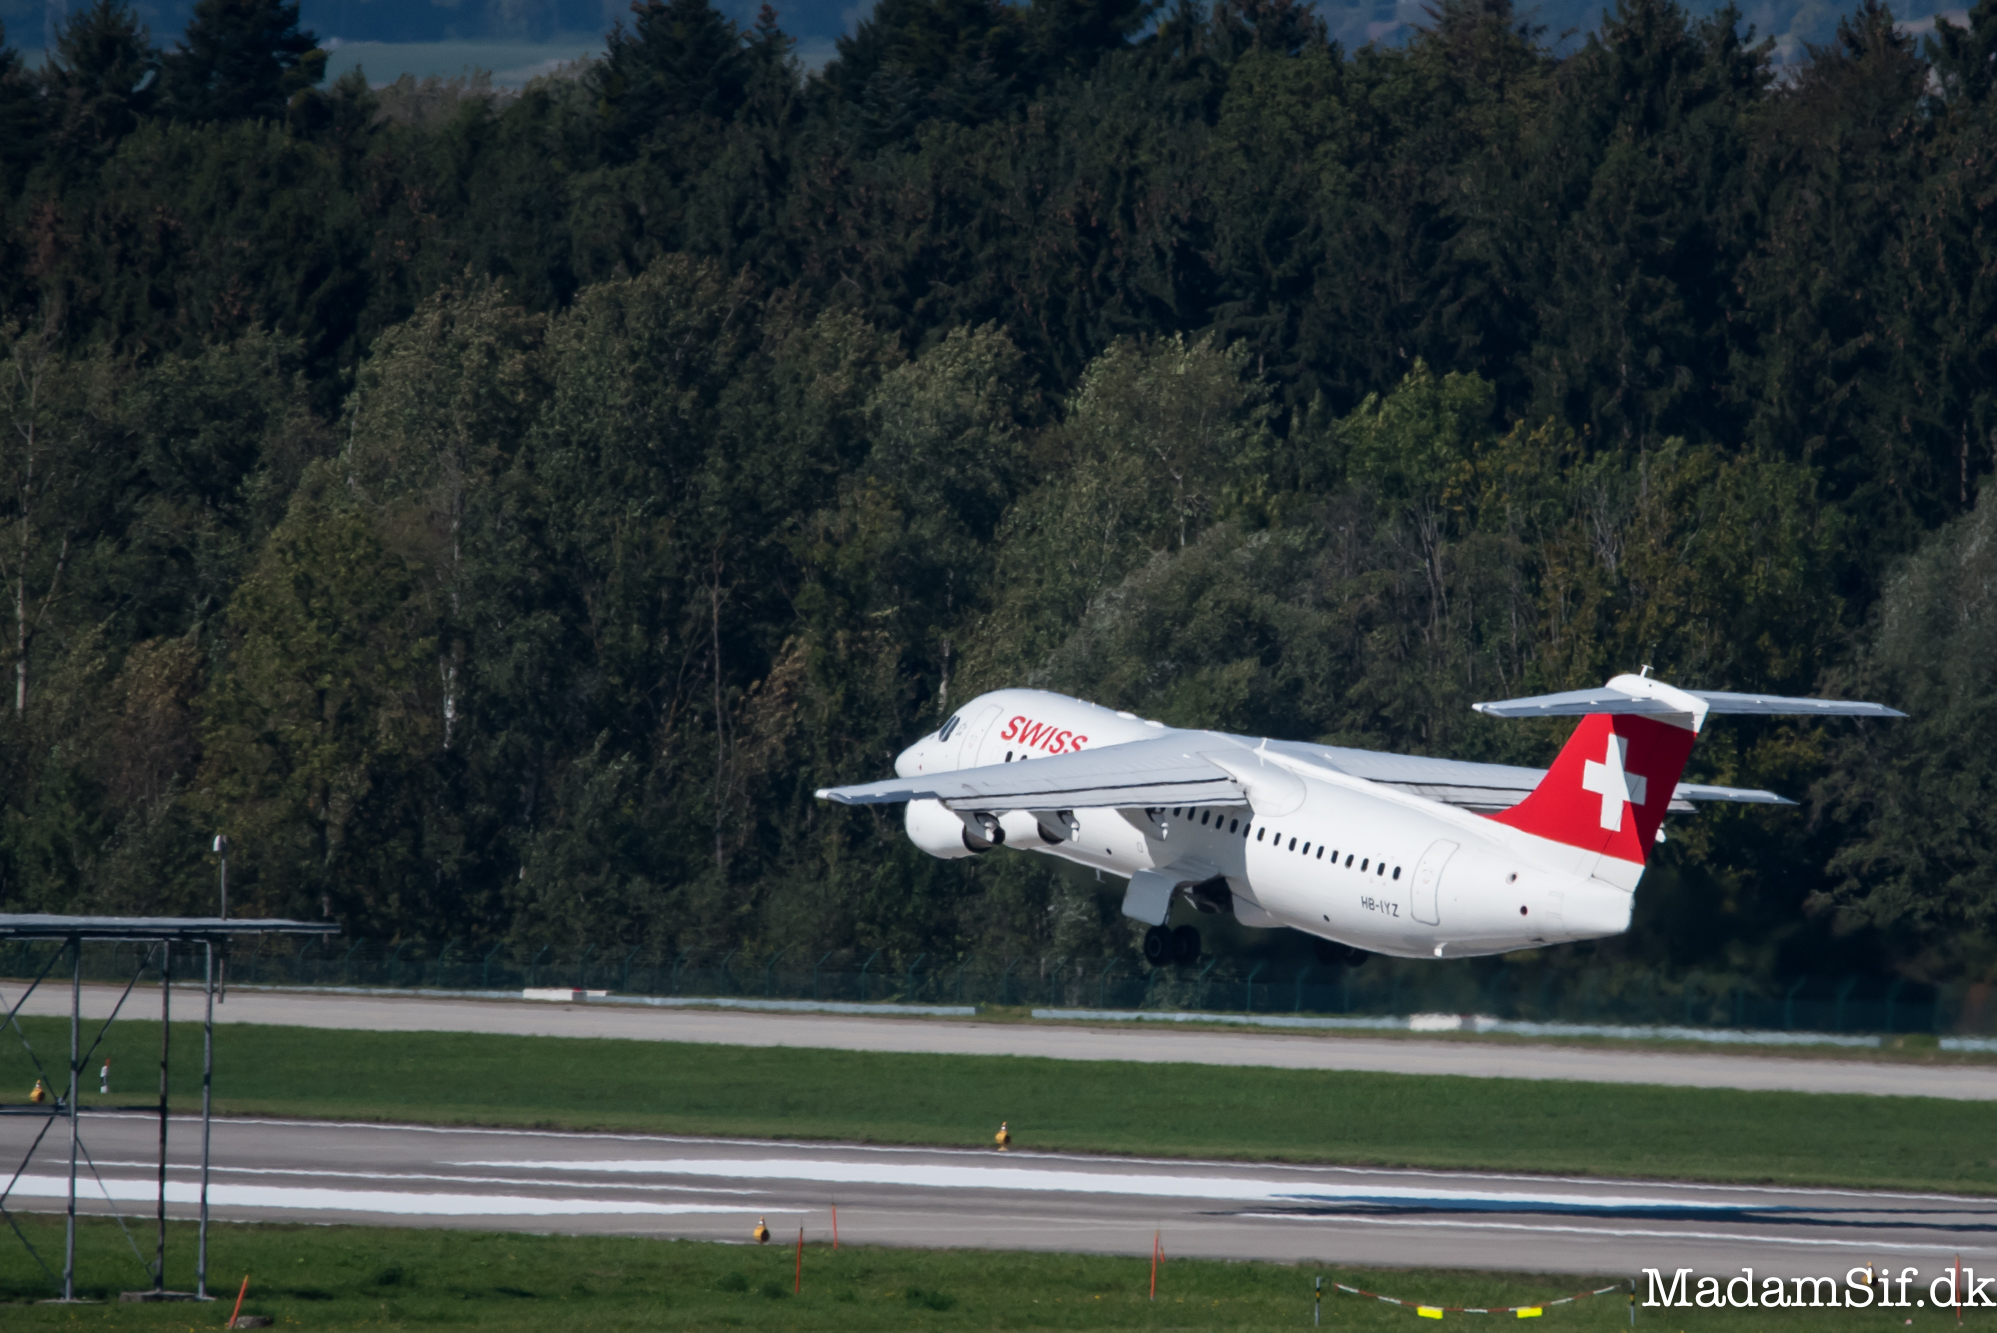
1428, 881
974, 736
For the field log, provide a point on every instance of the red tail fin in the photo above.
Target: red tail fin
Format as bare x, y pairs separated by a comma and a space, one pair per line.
1609, 789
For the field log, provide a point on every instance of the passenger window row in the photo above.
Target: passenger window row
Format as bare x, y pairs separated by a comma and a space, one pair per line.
1366, 864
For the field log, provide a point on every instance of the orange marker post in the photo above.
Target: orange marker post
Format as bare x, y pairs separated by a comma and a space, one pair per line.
239, 1300
835, 1226
798, 1287
1156, 1250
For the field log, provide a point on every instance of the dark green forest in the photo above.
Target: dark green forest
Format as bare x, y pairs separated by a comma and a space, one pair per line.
498, 513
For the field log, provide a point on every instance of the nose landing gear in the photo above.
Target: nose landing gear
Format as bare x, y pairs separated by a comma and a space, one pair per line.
1164, 945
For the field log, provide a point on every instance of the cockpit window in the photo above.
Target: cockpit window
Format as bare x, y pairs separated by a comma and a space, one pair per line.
949, 727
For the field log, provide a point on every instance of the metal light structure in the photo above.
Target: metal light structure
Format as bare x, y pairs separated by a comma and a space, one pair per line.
222, 852
161, 934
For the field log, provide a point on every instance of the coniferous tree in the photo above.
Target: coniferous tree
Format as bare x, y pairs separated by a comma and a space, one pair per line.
1282, 26
680, 60
102, 79
773, 70
1965, 58
915, 60
240, 60
1642, 163
20, 117
1840, 157
1075, 34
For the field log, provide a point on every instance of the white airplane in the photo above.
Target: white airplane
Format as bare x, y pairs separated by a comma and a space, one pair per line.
1366, 851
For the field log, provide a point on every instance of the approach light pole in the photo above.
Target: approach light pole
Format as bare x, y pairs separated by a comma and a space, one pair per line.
222, 851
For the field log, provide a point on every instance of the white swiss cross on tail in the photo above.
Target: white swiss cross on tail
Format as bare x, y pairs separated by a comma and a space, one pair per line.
1614, 783
1609, 786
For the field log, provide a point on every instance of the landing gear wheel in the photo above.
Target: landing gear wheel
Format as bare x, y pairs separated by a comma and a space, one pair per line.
1186, 945
1157, 946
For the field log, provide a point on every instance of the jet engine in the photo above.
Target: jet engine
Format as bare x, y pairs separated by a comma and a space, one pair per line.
946, 834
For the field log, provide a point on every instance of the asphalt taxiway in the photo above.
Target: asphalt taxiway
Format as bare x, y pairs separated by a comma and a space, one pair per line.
1473, 1058
715, 1189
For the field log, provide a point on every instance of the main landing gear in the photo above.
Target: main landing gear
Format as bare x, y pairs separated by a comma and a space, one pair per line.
1333, 954
1163, 945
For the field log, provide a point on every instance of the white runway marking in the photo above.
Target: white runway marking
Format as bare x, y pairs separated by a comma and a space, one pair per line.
620, 1183
1029, 1155
376, 1201
1597, 1232
1220, 1188
184, 1168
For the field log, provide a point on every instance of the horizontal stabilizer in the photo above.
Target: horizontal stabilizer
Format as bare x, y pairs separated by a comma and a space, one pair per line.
1695, 792
1776, 704
1610, 699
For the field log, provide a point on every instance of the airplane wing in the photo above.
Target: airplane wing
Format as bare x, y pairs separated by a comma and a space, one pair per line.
1166, 771
1172, 771
1450, 781
1483, 787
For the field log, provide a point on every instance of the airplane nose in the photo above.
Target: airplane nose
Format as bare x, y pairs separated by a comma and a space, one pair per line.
909, 762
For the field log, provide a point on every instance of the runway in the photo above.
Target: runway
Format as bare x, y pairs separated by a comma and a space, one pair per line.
714, 1189
1465, 1058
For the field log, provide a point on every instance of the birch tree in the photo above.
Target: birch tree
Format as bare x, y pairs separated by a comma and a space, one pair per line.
50, 452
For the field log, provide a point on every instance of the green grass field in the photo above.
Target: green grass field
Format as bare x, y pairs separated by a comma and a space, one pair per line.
333, 1278
1184, 1110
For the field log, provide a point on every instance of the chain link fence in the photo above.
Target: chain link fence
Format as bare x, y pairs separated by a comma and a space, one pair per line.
1382, 987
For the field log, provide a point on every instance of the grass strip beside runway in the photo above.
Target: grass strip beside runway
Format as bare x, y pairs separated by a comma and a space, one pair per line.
336, 1278
1145, 1109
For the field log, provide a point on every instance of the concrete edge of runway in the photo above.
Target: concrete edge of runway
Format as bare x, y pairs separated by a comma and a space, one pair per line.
1419, 1055
1883, 1054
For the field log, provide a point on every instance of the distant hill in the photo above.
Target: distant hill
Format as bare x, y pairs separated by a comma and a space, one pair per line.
817, 23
